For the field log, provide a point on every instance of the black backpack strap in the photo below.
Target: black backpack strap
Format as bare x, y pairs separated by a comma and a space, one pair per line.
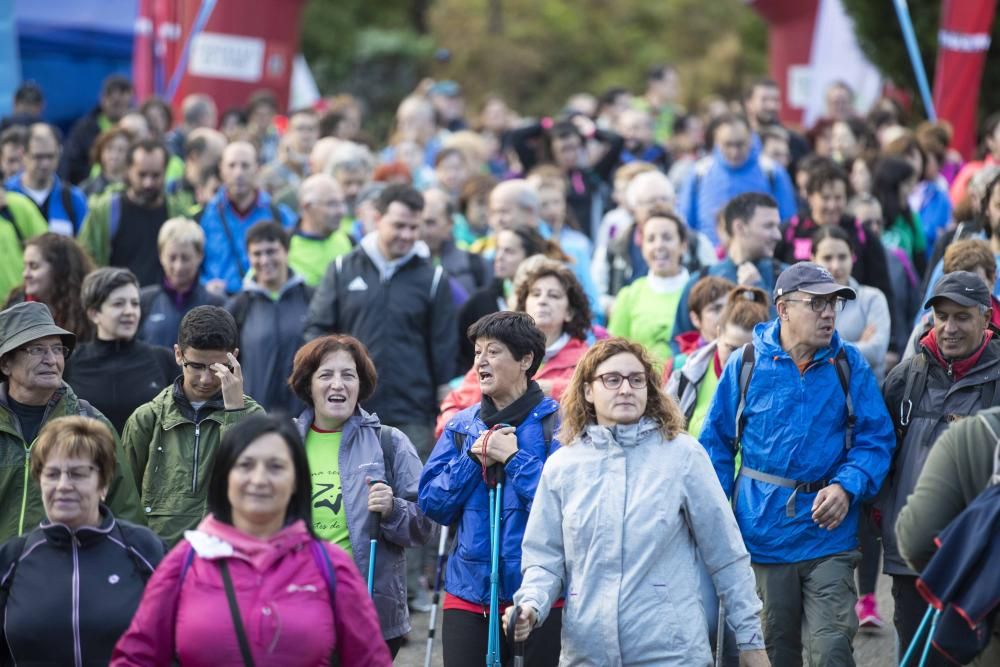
234, 610
388, 445
747, 362
916, 380
548, 428
325, 565
843, 367
67, 202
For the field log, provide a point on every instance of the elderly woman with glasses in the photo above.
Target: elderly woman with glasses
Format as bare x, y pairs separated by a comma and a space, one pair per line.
33, 352
623, 517
68, 588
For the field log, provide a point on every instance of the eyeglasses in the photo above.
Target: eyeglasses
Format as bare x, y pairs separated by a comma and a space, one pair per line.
818, 305
76, 474
42, 350
197, 367
614, 380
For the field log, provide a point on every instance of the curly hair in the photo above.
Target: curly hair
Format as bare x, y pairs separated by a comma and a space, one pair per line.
579, 323
70, 265
577, 413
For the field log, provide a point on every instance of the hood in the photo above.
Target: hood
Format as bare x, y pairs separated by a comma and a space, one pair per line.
767, 342
622, 435
214, 540
388, 268
750, 163
697, 363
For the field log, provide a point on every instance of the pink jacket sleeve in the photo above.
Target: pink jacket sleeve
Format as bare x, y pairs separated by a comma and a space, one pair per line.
149, 640
459, 399
359, 637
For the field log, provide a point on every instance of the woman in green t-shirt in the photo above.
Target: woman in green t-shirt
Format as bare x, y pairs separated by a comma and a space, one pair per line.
358, 467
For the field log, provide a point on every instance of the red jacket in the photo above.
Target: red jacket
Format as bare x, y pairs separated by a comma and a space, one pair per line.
557, 370
283, 599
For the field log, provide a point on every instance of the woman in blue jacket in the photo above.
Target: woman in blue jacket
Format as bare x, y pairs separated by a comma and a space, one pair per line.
511, 427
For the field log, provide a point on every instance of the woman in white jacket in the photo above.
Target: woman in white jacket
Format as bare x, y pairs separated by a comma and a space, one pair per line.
621, 517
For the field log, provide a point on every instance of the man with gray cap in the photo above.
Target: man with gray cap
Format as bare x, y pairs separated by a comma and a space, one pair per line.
955, 373
816, 442
33, 352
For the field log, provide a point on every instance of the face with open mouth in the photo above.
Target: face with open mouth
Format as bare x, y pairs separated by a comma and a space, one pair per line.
501, 376
335, 387
661, 246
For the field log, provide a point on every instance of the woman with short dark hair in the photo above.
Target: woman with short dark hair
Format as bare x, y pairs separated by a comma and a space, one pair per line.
510, 429
358, 467
289, 597
116, 372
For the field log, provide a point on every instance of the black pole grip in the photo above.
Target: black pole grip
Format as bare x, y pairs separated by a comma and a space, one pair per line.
518, 647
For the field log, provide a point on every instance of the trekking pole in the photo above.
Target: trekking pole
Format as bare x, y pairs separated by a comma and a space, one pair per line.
516, 645
439, 570
374, 530
495, 480
931, 613
720, 636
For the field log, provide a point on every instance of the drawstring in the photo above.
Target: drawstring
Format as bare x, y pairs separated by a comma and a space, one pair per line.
486, 442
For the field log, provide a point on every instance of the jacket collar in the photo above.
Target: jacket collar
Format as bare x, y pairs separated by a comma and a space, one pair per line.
250, 284
360, 419
697, 363
959, 368
215, 539
388, 268
622, 435
177, 409
767, 341
62, 535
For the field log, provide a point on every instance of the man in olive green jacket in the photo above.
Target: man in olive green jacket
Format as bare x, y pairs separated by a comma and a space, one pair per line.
33, 353
959, 467
170, 442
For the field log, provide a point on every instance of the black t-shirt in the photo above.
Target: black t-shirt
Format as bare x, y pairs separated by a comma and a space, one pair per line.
134, 244
29, 416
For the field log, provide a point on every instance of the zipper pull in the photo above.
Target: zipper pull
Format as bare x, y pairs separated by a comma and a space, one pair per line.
949, 369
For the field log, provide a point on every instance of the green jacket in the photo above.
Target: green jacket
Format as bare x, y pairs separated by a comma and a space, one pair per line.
957, 470
170, 449
95, 234
25, 221
21, 507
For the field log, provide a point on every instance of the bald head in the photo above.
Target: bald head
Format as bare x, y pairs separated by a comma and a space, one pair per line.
135, 124
513, 204
321, 204
238, 169
321, 153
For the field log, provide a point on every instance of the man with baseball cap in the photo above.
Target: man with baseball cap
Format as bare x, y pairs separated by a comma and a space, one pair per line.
33, 353
816, 442
954, 374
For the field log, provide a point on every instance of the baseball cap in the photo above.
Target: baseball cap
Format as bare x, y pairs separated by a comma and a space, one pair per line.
964, 288
811, 279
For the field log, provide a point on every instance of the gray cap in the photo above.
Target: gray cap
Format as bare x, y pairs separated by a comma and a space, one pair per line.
24, 322
964, 288
811, 279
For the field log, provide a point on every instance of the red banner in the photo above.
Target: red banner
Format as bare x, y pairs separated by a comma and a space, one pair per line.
963, 41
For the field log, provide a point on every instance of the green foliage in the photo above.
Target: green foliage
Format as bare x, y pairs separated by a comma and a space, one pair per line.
881, 39
545, 50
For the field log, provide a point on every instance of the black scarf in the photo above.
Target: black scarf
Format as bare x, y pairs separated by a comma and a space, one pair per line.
515, 413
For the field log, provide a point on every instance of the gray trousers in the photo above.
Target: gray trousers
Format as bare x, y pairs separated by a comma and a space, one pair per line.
809, 605
419, 559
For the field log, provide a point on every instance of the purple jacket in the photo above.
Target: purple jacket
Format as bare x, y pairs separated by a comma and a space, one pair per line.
283, 601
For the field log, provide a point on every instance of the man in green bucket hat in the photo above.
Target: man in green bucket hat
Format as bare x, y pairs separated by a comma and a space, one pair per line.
33, 353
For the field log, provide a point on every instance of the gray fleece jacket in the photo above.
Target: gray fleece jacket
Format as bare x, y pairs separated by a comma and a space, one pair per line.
625, 548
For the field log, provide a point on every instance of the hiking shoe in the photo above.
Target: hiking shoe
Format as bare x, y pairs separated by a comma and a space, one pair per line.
421, 602
867, 610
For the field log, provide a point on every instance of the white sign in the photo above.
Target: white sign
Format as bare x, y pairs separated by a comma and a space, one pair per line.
233, 57
798, 86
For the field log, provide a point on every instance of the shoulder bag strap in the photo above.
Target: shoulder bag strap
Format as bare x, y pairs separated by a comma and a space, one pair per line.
234, 609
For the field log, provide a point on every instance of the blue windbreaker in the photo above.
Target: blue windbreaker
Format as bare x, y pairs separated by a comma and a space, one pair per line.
794, 428
452, 489
226, 254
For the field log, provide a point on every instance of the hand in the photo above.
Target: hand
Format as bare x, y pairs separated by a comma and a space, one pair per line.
868, 333
380, 498
216, 286
830, 506
755, 658
232, 383
747, 274
525, 622
503, 443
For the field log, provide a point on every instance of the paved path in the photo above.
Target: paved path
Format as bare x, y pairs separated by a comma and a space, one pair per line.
871, 649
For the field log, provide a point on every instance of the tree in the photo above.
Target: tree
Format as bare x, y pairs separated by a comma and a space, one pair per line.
881, 39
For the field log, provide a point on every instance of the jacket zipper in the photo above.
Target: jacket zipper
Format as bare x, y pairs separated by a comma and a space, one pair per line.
194, 467
27, 463
77, 649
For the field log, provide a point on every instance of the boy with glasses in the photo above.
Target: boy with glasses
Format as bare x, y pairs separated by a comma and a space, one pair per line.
816, 442
33, 352
170, 442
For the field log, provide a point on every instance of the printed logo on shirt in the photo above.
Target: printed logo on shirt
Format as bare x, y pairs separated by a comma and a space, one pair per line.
357, 285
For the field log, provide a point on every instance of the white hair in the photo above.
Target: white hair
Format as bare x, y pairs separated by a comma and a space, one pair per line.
645, 181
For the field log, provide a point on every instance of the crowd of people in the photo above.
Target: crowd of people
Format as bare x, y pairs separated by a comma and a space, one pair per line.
678, 381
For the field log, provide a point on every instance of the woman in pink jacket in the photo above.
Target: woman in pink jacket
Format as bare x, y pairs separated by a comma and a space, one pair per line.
253, 585
547, 290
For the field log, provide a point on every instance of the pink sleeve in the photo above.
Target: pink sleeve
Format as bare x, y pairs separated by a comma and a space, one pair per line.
467, 394
148, 642
359, 637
